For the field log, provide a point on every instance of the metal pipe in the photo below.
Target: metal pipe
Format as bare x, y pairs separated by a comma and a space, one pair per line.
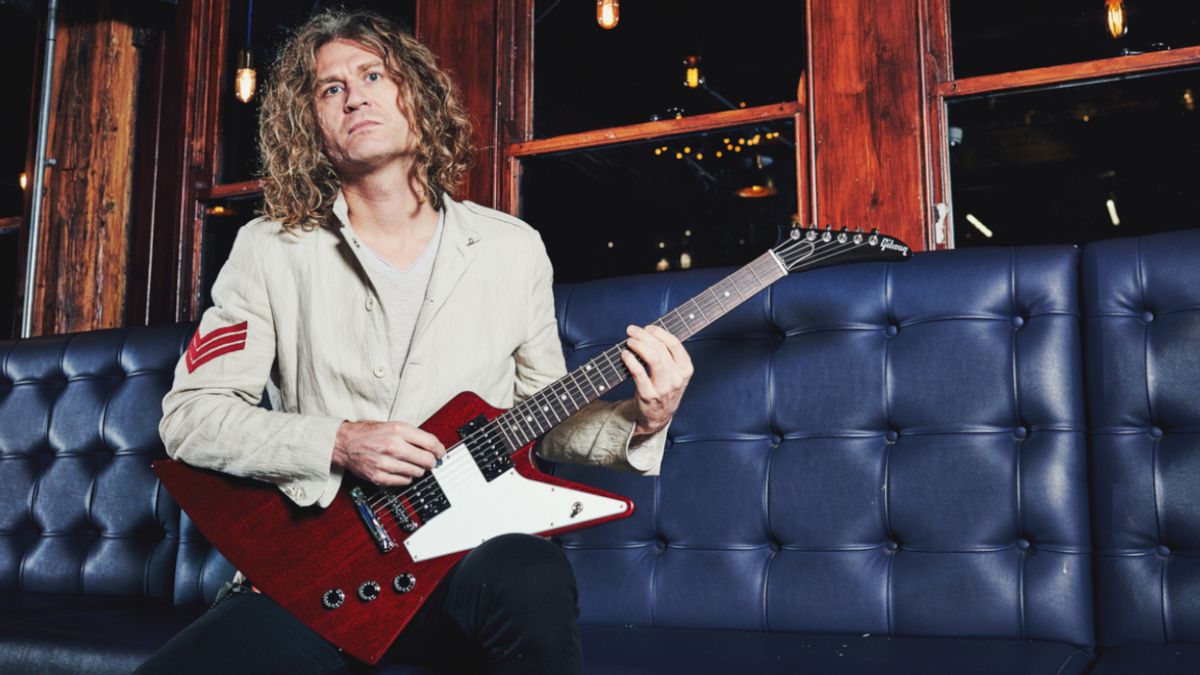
39, 170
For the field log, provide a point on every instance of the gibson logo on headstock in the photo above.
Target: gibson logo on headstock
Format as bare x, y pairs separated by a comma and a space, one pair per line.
888, 244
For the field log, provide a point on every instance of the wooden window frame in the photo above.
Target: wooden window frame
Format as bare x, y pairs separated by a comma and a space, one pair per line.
517, 112
942, 87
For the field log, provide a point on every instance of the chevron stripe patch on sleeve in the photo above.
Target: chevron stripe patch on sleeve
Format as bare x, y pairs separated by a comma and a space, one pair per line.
218, 342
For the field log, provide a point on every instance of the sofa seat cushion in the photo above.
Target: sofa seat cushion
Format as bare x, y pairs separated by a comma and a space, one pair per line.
632, 651
1141, 657
89, 641
16, 605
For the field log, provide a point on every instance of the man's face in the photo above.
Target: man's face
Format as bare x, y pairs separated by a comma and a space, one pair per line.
358, 109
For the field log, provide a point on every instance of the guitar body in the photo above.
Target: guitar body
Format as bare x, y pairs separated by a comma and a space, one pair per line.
301, 556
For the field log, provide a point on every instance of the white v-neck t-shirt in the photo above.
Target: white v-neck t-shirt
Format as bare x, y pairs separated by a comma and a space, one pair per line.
402, 291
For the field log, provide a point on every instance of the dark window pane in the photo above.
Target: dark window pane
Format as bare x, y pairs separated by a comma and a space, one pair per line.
222, 219
271, 24
995, 37
1043, 166
11, 266
621, 210
589, 78
18, 32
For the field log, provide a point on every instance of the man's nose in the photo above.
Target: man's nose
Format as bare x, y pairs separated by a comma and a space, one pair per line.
355, 98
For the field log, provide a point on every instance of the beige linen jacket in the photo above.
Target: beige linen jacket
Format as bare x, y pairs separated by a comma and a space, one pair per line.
317, 339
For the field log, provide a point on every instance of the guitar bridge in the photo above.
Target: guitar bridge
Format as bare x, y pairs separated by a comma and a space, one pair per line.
382, 539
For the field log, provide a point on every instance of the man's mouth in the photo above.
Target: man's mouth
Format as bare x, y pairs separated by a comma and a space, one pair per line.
363, 125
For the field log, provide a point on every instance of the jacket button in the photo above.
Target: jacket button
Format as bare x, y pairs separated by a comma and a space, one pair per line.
380, 371
370, 303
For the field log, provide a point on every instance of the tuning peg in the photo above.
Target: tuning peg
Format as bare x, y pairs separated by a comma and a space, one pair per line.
812, 233
828, 234
842, 236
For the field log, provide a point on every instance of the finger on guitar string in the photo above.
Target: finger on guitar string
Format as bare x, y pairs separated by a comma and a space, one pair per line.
386, 453
665, 375
678, 352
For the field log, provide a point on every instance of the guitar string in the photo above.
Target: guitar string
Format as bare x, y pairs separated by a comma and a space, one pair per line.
498, 443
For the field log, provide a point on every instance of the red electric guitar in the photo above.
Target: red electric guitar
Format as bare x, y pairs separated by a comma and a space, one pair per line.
358, 571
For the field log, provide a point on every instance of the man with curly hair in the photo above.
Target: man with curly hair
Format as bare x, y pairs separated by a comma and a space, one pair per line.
363, 301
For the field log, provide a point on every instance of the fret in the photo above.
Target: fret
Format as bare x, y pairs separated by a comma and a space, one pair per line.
540, 414
712, 291
702, 314
502, 425
586, 371
523, 429
557, 395
508, 438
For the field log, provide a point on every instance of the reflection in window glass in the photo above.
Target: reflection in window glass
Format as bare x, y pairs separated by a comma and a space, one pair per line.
586, 77
222, 219
666, 203
995, 37
270, 26
1076, 164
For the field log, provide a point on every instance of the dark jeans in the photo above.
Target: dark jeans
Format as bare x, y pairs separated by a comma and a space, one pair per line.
508, 607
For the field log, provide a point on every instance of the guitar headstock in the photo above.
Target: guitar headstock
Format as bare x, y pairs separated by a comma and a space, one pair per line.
810, 247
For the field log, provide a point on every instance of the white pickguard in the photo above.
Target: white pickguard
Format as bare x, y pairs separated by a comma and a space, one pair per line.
510, 503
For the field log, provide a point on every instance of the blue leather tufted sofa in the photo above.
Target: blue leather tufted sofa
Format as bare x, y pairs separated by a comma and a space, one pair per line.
981, 461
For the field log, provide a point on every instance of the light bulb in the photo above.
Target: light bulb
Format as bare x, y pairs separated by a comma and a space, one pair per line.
247, 78
691, 74
608, 13
1116, 18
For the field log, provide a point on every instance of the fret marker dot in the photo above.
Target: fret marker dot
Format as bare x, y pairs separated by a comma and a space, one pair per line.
601, 387
588, 367
545, 408
529, 418
727, 294
691, 316
563, 397
513, 427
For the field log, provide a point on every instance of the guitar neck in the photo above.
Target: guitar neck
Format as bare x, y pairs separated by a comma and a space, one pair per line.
541, 412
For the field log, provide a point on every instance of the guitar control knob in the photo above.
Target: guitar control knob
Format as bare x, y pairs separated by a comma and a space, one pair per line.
404, 583
333, 598
368, 591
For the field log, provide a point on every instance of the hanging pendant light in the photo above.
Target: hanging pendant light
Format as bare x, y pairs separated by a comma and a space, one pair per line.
691, 73
608, 13
757, 181
1116, 18
246, 81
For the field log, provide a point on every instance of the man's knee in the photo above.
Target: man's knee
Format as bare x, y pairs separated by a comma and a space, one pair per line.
522, 565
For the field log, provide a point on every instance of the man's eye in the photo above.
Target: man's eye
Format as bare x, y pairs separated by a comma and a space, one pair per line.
374, 77
331, 91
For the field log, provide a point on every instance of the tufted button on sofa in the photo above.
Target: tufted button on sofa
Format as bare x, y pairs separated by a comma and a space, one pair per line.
982, 461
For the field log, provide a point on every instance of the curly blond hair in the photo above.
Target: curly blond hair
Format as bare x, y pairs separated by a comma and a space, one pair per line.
299, 182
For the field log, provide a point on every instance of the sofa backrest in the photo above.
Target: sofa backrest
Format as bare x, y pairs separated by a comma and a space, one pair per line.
81, 512
1142, 302
894, 449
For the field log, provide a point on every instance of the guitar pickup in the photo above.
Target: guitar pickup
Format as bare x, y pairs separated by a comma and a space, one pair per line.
471, 427
382, 539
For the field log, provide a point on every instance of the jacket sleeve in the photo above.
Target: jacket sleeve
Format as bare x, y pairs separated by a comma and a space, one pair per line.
601, 433
211, 416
